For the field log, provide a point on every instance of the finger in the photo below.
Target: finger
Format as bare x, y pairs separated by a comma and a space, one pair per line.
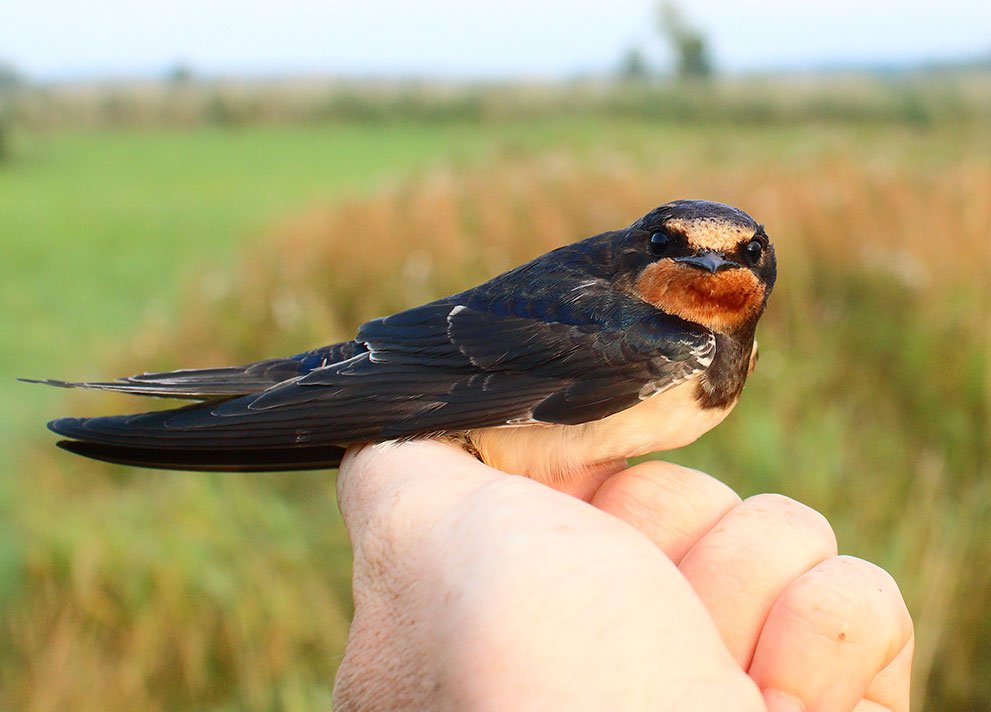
891, 688
391, 487
740, 568
584, 485
838, 634
672, 505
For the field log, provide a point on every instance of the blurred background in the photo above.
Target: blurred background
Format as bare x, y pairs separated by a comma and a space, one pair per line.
194, 184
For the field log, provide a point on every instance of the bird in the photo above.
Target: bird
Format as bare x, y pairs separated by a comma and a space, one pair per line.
632, 341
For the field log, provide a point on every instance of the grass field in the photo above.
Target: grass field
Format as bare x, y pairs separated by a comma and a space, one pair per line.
142, 250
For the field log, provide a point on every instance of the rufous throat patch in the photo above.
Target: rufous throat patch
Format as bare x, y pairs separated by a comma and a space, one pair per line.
720, 301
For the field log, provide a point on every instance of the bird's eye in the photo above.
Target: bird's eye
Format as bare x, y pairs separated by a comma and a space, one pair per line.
753, 251
660, 241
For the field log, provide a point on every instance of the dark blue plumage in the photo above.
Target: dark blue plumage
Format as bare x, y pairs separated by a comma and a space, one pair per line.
563, 339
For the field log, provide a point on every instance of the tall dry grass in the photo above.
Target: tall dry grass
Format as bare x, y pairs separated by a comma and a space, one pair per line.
181, 591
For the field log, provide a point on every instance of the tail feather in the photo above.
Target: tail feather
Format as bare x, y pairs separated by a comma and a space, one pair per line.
146, 440
217, 460
152, 440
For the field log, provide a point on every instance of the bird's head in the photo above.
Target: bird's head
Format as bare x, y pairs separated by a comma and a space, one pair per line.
705, 262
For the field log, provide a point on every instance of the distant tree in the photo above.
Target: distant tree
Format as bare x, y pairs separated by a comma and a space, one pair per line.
689, 45
180, 73
222, 111
633, 66
10, 80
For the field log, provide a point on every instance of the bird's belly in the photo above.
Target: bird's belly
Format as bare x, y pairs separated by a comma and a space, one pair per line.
554, 453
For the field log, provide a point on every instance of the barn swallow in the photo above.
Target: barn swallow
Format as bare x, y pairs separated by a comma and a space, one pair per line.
625, 343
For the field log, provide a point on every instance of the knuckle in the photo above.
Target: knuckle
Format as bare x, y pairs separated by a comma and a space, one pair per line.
880, 589
695, 486
376, 555
655, 487
784, 512
389, 535
850, 601
362, 468
378, 509
825, 612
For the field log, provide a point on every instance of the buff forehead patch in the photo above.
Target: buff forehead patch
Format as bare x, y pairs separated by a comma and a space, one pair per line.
711, 233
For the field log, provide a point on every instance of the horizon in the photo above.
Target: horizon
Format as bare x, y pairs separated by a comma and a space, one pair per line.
835, 69
54, 41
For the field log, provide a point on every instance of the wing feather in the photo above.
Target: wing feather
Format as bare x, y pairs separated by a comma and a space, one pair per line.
441, 367
215, 383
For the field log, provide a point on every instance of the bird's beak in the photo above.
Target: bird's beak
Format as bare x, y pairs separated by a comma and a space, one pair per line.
709, 261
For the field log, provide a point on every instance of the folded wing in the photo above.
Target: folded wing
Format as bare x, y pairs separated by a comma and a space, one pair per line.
440, 367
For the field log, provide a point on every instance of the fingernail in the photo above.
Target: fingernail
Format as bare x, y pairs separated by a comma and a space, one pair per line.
778, 701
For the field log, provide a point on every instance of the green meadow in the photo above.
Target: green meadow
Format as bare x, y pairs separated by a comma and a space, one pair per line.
137, 248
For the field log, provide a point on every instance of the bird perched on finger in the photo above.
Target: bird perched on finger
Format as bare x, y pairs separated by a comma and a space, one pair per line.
621, 344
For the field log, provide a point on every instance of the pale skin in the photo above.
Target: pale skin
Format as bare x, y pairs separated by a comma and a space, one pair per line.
662, 590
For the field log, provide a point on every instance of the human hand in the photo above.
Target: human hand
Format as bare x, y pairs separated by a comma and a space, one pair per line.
478, 590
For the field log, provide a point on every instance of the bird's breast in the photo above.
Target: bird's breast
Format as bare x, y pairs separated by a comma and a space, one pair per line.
558, 453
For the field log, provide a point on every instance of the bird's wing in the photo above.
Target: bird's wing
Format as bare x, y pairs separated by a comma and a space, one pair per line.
219, 383
442, 366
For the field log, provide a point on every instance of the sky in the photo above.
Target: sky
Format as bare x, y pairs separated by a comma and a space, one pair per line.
59, 39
